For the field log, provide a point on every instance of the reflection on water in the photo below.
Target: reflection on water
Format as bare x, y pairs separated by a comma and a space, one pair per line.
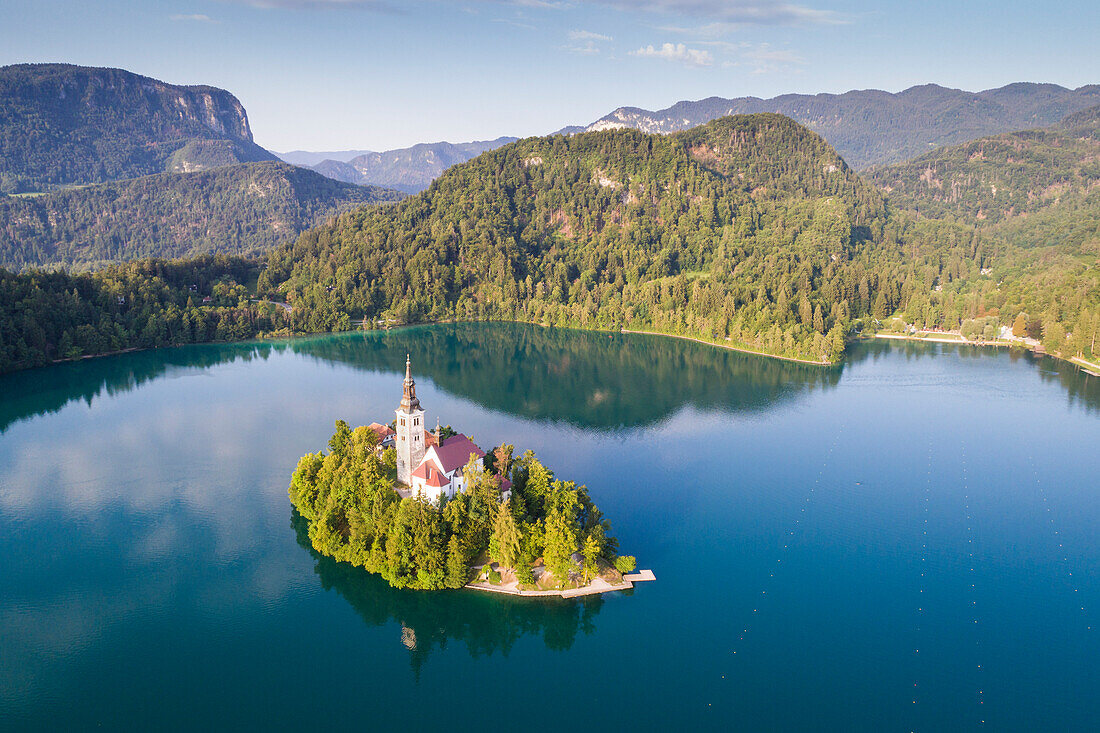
594, 380
484, 623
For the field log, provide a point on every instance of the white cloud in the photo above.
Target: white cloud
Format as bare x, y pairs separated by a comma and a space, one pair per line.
676, 52
191, 17
588, 36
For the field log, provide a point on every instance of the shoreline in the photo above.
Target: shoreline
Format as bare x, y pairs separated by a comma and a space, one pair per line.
596, 587
1088, 366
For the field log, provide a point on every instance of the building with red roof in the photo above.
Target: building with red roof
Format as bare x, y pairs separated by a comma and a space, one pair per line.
440, 472
430, 465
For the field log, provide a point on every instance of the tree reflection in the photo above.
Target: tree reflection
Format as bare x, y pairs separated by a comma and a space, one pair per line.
482, 622
589, 379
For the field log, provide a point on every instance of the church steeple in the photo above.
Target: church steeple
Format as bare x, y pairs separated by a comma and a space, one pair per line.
410, 429
409, 401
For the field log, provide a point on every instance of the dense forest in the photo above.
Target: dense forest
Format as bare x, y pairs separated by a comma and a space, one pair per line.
748, 231
45, 316
354, 515
238, 209
63, 125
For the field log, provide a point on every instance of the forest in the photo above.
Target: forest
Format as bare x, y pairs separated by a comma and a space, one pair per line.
354, 515
748, 232
237, 209
49, 316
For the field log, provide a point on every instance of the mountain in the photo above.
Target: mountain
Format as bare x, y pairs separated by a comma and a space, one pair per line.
749, 230
871, 127
64, 125
307, 158
233, 209
406, 169
1003, 176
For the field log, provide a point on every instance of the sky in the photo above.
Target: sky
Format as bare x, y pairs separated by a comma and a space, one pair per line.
382, 74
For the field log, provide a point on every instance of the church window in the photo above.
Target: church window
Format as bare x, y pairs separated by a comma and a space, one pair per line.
402, 421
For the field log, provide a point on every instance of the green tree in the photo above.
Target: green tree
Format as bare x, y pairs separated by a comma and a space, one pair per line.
505, 542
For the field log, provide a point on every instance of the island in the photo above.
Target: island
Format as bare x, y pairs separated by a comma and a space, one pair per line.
430, 510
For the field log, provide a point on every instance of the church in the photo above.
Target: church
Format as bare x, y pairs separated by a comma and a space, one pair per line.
430, 465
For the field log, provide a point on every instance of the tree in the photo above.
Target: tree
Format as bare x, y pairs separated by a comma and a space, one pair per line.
591, 553
561, 531
1019, 326
505, 541
457, 570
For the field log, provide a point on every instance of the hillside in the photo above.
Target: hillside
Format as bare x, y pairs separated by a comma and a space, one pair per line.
871, 127
743, 229
1032, 199
406, 169
1000, 177
64, 125
749, 232
234, 209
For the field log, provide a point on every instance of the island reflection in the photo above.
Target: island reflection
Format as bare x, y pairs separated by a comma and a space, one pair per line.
484, 623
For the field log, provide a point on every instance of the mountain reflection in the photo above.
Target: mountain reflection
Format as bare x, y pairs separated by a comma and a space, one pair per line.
484, 623
589, 379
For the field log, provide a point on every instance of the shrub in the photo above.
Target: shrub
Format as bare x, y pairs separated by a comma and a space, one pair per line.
625, 563
494, 577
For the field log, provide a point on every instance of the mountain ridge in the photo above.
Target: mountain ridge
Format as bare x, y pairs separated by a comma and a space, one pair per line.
902, 124
409, 169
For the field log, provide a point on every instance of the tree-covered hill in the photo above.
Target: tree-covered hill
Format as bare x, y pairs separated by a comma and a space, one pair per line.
63, 125
232, 210
749, 230
1001, 177
1032, 199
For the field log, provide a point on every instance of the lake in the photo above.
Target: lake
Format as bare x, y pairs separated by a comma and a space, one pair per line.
905, 542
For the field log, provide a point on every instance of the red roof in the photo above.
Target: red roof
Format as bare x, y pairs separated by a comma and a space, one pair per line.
431, 475
382, 431
456, 451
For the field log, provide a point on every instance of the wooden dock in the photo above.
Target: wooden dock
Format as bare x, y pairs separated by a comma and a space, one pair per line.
640, 576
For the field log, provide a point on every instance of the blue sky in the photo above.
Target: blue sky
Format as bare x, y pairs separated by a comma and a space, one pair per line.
380, 74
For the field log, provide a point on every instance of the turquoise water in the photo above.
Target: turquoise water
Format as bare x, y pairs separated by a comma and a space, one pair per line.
905, 542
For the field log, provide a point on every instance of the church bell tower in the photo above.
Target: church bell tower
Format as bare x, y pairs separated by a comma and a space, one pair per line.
410, 429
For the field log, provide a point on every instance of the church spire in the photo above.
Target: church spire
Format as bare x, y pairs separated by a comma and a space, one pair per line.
408, 395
